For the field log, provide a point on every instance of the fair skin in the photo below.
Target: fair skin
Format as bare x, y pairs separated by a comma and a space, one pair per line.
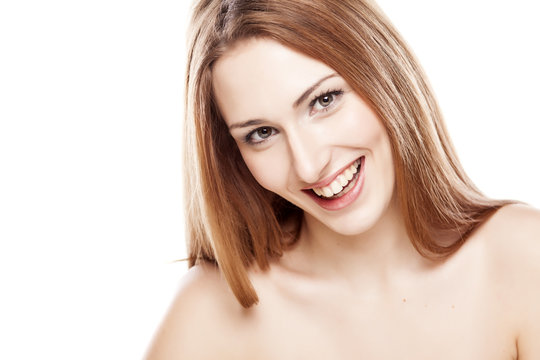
353, 287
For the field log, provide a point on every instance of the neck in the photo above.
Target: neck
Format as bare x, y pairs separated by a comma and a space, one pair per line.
378, 253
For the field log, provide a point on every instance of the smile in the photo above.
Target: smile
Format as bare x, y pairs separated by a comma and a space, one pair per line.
343, 190
341, 184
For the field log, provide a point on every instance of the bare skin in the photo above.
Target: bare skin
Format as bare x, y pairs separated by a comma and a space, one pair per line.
481, 303
353, 287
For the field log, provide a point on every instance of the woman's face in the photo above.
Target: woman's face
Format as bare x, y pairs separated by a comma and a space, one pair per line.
305, 135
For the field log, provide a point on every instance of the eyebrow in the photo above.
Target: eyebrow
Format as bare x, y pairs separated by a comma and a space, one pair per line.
246, 124
298, 101
312, 88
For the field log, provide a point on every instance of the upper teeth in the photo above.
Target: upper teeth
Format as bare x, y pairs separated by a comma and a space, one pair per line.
340, 182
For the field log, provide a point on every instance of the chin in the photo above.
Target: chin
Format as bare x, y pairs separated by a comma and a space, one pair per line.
352, 224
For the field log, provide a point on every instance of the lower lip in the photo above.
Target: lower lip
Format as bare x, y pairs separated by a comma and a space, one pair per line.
345, 200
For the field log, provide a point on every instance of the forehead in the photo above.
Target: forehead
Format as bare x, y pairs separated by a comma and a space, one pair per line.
257, 78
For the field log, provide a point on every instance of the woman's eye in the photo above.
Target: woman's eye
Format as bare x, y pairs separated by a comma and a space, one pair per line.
264, 132
259, 135
325, 101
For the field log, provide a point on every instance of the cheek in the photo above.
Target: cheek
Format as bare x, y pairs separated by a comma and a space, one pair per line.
383, 161
268, 169
359, 127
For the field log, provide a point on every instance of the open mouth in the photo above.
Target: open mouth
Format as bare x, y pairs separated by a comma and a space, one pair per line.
342, 184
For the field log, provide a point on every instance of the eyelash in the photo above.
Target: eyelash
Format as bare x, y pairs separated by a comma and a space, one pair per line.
335, 93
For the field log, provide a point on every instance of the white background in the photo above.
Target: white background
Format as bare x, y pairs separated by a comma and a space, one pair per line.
90, 152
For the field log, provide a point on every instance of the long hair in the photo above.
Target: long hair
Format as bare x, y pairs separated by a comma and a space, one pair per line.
234, 222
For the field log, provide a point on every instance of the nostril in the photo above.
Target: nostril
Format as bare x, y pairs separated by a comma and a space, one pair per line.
308, 155
308, 173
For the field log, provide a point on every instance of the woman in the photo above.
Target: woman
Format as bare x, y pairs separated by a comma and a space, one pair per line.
328, 215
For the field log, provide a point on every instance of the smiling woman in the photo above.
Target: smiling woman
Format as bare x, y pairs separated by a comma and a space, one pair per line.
326, 204
314, 152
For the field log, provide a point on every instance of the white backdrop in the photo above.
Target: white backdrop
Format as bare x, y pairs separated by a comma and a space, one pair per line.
90, 172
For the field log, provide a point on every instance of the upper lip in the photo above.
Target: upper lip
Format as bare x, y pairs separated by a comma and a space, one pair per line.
328, 180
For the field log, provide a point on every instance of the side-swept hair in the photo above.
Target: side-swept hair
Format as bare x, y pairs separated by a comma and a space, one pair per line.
233, 221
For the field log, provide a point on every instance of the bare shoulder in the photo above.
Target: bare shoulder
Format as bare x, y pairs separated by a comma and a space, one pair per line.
519, 212
202, 320
513, 239
515, 230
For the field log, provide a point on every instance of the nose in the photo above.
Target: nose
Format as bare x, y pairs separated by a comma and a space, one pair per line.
310, 156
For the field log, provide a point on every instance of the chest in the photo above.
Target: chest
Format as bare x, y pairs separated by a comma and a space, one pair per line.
458, 320
422, 331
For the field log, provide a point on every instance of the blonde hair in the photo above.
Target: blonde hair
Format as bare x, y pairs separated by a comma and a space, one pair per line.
234, 222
